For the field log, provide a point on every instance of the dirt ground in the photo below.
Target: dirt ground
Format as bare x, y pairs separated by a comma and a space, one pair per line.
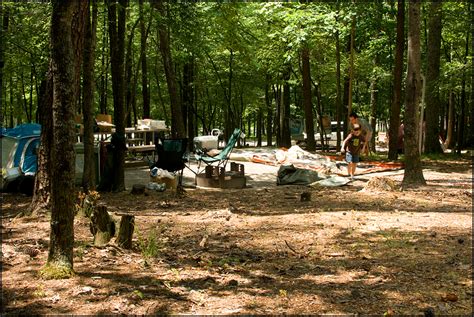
260, 250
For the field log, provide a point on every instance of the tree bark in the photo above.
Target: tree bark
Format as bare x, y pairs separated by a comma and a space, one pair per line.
177, 124
450, 129
88, 177
432, 79
102, 226
308, 106
3, 32
285, 137
397, 83
188, 96
413, 170
269, 110
143, 39
42, 188
351, 66
375, 77
117, 51
64, 67
127, 226
462, 118
339, 115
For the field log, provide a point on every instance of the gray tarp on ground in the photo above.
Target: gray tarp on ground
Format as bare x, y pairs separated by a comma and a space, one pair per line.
288, 174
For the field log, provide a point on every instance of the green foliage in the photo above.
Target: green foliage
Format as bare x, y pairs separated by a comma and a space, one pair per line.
150, 245
235, 50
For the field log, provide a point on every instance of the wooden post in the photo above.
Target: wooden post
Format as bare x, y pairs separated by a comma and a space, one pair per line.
102, 225
127, 226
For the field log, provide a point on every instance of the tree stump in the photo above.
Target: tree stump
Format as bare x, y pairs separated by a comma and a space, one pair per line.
102, 225
127, 225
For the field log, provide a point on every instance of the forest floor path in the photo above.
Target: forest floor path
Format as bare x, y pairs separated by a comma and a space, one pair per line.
260, 250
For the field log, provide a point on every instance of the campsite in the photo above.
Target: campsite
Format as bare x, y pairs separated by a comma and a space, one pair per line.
261, 250
236, 158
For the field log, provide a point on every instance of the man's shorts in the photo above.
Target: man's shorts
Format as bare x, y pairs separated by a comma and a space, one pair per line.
352, 158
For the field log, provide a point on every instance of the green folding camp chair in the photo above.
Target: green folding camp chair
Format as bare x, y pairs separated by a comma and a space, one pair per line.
220, 160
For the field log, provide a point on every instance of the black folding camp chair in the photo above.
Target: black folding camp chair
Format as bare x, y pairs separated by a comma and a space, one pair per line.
171, 156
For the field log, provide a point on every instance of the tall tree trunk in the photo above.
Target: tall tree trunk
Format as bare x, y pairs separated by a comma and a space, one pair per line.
105, 71
432, 78
397, 83
375, 76
42, 187
413, 170
285, 138
3, 32
188, 96
339, 115
277, 126
269, 110
450, 129
462, 118
66, 16
308, 106
130, 78
117, 51
177, 124
228, 118
259, 126
143, 39
351, 66
88, 176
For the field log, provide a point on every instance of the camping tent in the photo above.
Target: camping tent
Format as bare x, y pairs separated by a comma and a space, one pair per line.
19, 152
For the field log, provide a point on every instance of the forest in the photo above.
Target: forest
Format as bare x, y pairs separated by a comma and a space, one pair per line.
268, 69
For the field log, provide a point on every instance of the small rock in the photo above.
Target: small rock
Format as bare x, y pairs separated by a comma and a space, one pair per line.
428, 312
85, 290
460, 240
449, 297
233, 283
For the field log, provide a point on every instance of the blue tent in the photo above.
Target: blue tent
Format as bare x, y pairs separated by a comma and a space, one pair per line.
19, 151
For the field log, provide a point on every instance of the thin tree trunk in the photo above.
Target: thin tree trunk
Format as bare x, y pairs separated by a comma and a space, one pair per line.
143, 39
117, 50
269, 110
42, 188
177, 124
375, 77
88, 177
432, 79
104, 73
285, 137
413, 170
397, 83
339, 115
462, 119
130, 79
188, 95
308, 106
3, 32
351, 66
450, 129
